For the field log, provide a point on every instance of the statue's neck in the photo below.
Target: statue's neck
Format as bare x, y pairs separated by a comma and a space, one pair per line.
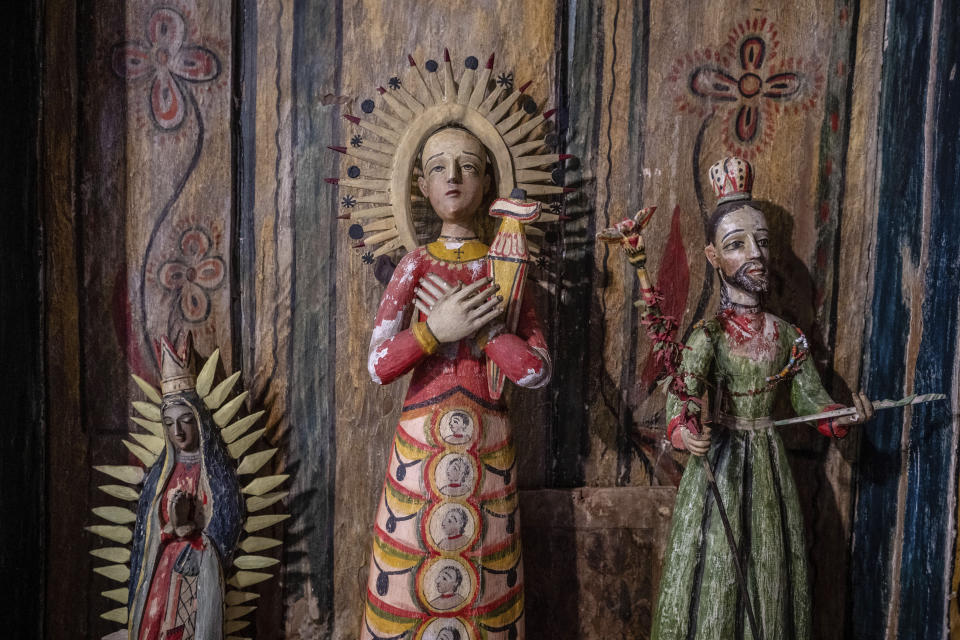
457, 230
738, 300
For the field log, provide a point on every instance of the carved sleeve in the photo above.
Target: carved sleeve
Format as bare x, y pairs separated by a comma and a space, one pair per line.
522, 356
396, 346
807, 396
695, 368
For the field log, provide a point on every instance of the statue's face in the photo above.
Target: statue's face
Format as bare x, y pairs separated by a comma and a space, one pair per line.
457, 471
447, 580
740, 249
181, 426
454, 174
452, 523
458, 424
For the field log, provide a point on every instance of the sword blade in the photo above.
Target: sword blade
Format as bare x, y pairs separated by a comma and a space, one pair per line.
849, 411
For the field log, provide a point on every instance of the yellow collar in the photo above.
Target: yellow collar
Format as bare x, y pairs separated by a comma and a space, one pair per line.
468, 251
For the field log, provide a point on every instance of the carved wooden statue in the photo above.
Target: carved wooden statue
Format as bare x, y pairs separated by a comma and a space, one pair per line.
190, 509
735, 563
446, 562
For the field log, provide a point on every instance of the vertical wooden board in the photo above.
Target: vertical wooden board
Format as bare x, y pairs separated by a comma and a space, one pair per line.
65, 606
580, 51
179, 181
107, 326
929, 530
22, 446
377, 39
899, 238
312, 393
264, 250
619, 193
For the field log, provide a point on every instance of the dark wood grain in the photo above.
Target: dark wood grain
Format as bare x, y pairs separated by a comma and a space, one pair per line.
22, 445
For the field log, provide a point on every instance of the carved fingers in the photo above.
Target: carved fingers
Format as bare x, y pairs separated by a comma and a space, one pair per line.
430, 289
864, 410
455, 312
698, 445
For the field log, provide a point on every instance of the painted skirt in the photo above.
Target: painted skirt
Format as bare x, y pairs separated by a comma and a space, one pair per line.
446, 562
699, 595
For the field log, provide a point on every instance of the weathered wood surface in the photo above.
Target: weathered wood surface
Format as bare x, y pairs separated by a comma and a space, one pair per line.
902, 582
67, 443
611, 541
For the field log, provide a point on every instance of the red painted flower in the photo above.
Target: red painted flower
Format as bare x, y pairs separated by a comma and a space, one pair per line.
193, 274
169, 62
746, 82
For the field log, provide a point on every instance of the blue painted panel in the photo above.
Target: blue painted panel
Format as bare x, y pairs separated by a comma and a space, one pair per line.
927, 534
317, 46
903, 90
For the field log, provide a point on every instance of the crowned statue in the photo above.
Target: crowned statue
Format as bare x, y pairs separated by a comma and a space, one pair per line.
742, 358
188, 517
190, 557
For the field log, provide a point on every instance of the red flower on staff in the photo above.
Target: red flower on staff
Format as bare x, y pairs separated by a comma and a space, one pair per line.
170, 62
193, 274
746, 81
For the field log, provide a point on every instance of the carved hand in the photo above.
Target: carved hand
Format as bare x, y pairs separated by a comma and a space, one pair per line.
864, 410
636, 254
455, 312
179, 509
697, 445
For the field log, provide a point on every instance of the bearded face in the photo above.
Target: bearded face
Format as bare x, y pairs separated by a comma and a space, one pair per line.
740, 253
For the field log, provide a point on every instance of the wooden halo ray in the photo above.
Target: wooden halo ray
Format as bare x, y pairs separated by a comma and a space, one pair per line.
406, 118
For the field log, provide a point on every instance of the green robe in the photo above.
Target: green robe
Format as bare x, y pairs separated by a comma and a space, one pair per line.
699, 596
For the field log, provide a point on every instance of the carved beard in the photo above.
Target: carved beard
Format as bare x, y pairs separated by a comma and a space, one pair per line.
744, 281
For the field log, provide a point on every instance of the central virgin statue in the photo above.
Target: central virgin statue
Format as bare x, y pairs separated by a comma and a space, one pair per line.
446, 550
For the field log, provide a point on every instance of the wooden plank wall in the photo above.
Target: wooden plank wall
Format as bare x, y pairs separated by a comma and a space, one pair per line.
904, 572
235, 178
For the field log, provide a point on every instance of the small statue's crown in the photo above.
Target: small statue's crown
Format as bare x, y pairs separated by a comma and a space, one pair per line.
176, 366
732, 179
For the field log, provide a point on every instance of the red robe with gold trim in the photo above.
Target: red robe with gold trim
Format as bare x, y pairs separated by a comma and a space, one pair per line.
446, 560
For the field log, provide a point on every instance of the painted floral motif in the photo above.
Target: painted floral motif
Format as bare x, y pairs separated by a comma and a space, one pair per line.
193, 274
170, 62
746, 82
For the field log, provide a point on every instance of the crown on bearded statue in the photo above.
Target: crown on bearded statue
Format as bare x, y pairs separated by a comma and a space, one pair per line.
732, 179
176, 365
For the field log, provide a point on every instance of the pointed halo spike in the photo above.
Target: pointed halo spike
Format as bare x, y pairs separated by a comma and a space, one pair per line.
421, 84
480, 87
449, 86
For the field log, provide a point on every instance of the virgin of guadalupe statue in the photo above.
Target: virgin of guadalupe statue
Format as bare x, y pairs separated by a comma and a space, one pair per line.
189, 517
446, 559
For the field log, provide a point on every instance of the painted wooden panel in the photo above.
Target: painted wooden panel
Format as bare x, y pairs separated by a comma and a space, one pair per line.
141, 110
901, 569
